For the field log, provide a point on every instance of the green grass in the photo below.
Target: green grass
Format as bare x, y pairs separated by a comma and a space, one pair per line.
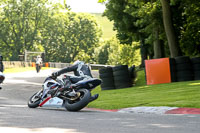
179, 94
22, 69
107, 26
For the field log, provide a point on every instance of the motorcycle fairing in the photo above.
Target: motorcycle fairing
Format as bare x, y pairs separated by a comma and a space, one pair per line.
47, 86
53, 102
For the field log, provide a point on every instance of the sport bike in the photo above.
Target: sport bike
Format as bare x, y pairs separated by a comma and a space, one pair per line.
38, 67
74, 96
2, 77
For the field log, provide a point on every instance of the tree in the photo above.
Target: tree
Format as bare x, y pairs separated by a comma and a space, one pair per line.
189, 31
37, 25
84, 34
68, 35
19, 24
131, 20
169, 29
114, 53
143, 12
103, 54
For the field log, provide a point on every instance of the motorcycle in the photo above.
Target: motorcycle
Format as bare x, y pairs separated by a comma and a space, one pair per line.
74, 96
2, 77
38, 68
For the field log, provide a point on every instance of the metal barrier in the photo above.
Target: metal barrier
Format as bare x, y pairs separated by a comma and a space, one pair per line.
12, 64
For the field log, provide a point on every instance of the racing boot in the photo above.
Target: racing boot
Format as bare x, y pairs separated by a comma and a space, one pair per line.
94, 97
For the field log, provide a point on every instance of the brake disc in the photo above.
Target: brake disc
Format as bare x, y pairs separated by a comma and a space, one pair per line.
78, 94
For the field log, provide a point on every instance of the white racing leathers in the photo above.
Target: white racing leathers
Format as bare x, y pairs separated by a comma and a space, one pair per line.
80, 69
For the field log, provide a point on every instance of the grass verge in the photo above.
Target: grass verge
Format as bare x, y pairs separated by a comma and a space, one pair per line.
22, 69
179, 94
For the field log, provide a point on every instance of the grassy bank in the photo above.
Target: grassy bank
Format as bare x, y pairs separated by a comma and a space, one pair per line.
106, 25
179, 94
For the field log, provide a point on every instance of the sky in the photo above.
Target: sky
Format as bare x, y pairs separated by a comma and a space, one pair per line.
90, 6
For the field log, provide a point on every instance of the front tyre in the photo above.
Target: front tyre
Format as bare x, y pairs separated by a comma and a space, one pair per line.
34, 101
79, 103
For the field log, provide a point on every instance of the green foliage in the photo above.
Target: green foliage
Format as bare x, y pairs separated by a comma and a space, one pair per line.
102, 54
37, 25
123, 22
70, 36
129, 54
114, 53
190, 32
19, 23
137, 20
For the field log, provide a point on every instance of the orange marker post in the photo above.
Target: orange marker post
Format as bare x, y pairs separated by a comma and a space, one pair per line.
157, 71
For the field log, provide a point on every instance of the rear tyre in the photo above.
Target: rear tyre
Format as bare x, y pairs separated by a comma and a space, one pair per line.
34, 101
80, 103
37, 68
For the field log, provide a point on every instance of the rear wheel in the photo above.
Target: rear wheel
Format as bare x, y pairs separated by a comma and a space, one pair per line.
37, 68
34, 101
81, 102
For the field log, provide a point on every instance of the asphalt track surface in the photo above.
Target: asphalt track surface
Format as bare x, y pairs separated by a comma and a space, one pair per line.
16, 117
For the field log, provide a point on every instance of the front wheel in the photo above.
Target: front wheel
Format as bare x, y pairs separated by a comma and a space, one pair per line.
34, 101
81, 102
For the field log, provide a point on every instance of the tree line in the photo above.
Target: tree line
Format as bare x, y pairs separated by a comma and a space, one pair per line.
146, 28
164, 28
39, 25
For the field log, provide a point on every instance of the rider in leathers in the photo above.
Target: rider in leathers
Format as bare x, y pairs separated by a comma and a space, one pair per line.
81, 72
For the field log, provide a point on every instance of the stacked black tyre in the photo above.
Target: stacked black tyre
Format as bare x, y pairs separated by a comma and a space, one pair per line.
172, 63
184, 69
122, 77
196, 67
106, 75
132, 73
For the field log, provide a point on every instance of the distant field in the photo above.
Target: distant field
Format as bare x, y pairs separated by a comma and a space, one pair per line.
107, 26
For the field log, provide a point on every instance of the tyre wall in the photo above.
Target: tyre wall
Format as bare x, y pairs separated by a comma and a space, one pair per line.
172, 63
196, 67
117, 77
184, 70
106, 75
122, 77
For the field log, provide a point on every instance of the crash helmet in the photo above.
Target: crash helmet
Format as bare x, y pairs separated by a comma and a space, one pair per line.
77, 62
